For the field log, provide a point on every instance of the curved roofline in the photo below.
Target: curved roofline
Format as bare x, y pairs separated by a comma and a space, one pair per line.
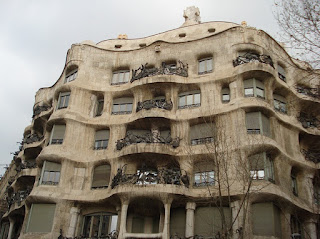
158, 41
166, 31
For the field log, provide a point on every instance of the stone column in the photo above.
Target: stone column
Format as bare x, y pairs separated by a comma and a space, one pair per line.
166, 227
118, 209
123, 219
74, 212
310, 229
12, 221
190, 207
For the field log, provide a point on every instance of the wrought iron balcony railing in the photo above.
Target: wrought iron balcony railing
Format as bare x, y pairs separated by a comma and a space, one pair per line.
151, 176
180, 69
146, 138
31, 138
311, 155
112, 235
149, 104
252, 57
312, 92
18, 197
39, 109
308, 120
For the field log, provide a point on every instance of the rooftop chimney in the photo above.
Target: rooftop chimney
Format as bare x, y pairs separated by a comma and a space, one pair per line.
192, 16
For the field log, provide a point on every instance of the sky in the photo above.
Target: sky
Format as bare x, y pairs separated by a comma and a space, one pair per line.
35, 36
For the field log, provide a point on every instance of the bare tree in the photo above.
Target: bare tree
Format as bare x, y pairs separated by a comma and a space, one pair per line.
299, 21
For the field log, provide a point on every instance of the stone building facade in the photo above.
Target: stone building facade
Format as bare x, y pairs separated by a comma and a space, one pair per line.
210, 130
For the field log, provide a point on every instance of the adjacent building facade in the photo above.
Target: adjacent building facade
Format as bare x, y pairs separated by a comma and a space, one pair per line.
210, 130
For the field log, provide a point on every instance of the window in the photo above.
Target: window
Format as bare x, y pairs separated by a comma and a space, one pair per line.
253, 88
261, 167
101, 176
257, 123
266, 220
122, 106
282, 73
63, 101
57, 134
99, 225
294, 184
295, 225
203, 174
41, 218
208, 220
100, 107
202, 133
205, 66
189, 99
280, 103
225, 95
177, 222
71, 76
120, 77
50, 173
101, 139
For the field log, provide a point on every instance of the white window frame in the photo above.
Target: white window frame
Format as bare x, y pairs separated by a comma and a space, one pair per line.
184, 96
59, 141
113, 218
120, 77
128, 106
102, 143
265, 173
204, 178
63, 101
255, 89
51, 173
208, 65
71, 76
261, 129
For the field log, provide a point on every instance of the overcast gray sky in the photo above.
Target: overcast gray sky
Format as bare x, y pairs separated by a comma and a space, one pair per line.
36, 34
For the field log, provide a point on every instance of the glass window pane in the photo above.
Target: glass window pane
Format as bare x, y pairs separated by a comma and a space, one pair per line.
51, 176
86, 226
197, 98
226, 97
129, 107
182, 101
123, 108
115, 108
197, 178
248, 92
260, 92
209, 65
189, 99
115, 78
95, 226
105, 225
57, 177
126, 76
201, 66
45, 176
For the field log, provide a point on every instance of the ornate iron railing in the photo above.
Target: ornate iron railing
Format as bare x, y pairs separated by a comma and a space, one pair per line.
146, 138
112, 235
311, 155
31, 138
313, 92
18, 197
40, 108
180, 69
27, 164
308, 120
151, 176
252, 57
149, 104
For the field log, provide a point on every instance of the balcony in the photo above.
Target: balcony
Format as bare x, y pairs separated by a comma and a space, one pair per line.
150, 104
25, 165
252, 57
308, 91
146, 176
311, 155
180, 69
149, 138
308, 120
18, 197
31, 138
40, 108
